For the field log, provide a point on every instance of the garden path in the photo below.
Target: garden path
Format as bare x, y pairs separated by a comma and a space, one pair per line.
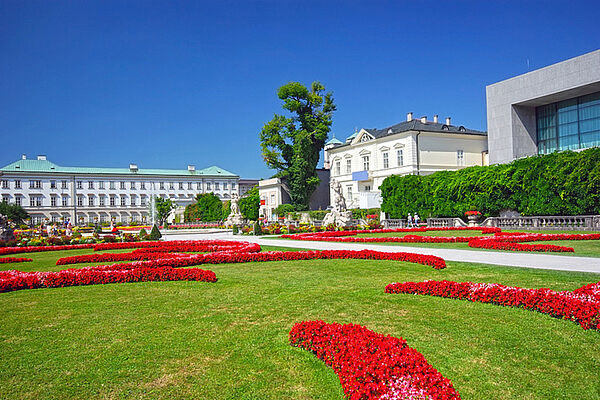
512, 259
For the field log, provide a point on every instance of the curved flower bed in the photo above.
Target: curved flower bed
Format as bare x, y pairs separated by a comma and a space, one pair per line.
17, 280
581, 305
9, 260
37, 249
371, 365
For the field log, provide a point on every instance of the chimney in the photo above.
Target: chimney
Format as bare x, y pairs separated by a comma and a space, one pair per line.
191, 168
409, 117
24, 157
435, 119
133, 167
424, 119
448, 121
41, 158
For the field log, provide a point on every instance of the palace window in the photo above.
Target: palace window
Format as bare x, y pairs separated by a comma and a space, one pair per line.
53, 201
337, 168
207, 185
102, 201
64, 185
35, 184
123, 201
180, 185
18, 200
365, 163
349, 192
91, 200
224, 185
79, 201
460, 157
35, 201
5, 184
90, 184
386, 161
349, 166
17, 184
65, 201
133, 201
143, 201
190, 185
123, 185
162, 186
112, 185
143, 185
400, 157
217, 186
79, 185
199, 186
132, 185
101, 185
112, 201
5, 198
172, 185
52, 184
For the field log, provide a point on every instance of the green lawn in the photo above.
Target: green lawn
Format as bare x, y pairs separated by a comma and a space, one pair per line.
228, 340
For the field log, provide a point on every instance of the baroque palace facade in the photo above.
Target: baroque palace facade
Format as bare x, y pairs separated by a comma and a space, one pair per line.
88, 195
416, 146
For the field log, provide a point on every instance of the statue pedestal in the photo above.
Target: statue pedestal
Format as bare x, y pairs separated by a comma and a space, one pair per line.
234, 219
338, 218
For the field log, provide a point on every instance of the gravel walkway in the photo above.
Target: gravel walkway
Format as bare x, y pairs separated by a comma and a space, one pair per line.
512, 259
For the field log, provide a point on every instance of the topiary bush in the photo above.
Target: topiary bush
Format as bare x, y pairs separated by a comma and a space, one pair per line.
143, 234
235, 230
257, 229
155, 233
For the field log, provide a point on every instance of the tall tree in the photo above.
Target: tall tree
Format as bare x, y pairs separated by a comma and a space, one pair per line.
13, 212
250, 204
292, 145
164, 208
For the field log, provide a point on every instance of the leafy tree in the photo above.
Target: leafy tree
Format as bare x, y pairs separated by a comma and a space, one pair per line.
13, 212
292, 145
283, 209
154, 233
226, 210
208, 208
164, 206
250, 204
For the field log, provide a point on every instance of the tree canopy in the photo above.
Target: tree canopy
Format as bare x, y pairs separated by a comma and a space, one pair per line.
250, 204
164, 208
207, 208
13, 212
292, 145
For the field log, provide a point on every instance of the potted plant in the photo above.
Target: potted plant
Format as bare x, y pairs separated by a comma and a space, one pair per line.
473, 216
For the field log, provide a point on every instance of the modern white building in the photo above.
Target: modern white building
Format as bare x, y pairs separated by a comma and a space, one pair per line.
416, 146
87, 195
550, 109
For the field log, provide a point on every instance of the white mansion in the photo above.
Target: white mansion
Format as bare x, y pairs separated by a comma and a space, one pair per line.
416, 146
86, 195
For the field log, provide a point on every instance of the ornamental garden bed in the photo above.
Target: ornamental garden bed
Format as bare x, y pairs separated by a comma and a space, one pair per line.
231, 338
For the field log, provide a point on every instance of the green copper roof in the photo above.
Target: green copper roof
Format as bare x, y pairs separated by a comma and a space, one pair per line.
333, 141
45, 166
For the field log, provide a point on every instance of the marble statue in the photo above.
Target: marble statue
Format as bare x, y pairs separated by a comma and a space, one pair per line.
235, 216
339, 215
6, 229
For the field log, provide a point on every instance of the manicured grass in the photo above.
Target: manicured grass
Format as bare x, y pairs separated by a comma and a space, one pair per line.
228, 340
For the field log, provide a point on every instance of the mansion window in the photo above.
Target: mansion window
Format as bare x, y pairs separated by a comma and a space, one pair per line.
65, 201
172, 185
101, 185
132, 200
91, 201
349, 166
349, 192
18, 200
365, 163
112, 201
64, 185
143, 201
400, 157
217, 186
190, 185
18, 184
52, 184
90, 184
337, 168
112, 185
79, 201
386, 161
162, 186
123, 201
460, 157
5, 198
123, 185
207, 185
35, 184
79, 185
132, 185
224, 185
180, 185
5, 184
198, 185
233, 186
143, 185
102, 201
53, 201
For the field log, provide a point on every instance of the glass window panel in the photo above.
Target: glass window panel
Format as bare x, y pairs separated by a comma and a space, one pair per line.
567, 116
589, 100
568, 129
590, 139
589, 112
589, 125
568, 142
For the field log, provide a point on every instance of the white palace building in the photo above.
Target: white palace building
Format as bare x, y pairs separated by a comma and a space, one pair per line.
87, 195
416, 146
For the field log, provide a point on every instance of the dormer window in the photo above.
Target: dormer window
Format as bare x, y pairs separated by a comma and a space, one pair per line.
445, 127
365, 138
461, 129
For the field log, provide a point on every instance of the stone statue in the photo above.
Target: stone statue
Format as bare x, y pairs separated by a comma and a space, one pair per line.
339, 215
6, 229
235, 216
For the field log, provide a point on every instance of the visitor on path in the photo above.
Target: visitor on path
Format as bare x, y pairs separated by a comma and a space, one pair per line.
409, 221
417, 220
69, 231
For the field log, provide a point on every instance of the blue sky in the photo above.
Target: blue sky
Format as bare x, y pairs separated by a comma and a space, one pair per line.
167, 83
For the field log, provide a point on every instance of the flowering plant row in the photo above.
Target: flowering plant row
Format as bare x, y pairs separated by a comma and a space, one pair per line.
371, 365
467, 213
581, 306
17, 280
8, 260
36, 249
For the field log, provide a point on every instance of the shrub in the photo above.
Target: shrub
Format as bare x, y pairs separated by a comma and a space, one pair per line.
235, 229
318, 215
142, 233
563, 183
155, 233
257, 229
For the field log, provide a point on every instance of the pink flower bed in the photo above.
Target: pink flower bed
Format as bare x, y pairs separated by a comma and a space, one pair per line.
581, 305
371, 365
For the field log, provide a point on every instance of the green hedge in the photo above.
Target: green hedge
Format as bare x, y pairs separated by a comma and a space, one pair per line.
564, 183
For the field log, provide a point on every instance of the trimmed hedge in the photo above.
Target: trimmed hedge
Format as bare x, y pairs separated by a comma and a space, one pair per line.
563, 183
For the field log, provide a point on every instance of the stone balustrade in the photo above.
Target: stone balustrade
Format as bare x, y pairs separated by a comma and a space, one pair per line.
575, 222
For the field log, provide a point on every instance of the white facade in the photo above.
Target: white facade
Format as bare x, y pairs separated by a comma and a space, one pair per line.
272, 194
87, 195
418, 147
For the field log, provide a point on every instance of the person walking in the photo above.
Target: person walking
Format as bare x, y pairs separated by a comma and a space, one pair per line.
409, 221
417, 220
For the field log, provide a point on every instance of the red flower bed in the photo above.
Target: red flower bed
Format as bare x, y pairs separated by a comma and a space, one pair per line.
371, 365
581, 306
8, 260
17, 280
37, 249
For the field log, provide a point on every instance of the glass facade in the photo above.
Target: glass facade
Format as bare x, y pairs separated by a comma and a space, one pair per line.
569, 125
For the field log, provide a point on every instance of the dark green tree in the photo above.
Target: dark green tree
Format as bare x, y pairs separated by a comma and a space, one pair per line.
208, 208
154, 233
164, 208
250, 204
13, 212
292, 145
